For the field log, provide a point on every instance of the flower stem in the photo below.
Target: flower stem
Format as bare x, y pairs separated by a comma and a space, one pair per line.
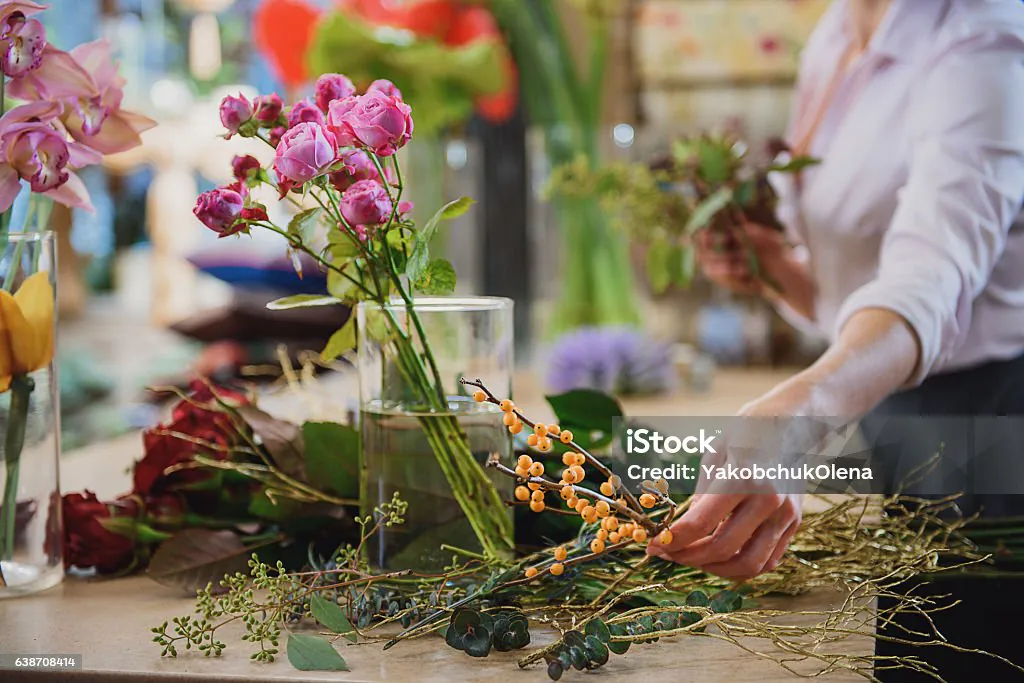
14, 441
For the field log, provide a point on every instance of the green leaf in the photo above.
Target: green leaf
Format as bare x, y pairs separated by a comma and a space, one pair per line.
302, 301
726, 601
192, 558
313, 653
598, 629
555, 669
303, 224
419, 260
332, 457
746, 193
341, 341
597, 650
715, 160
586, 409
619, 647
281, 439
438, 278
342, 249
133, 529
697, 599
332, 617
277, 509
794, 165
688, 266
659, 266
706, 211
447, 212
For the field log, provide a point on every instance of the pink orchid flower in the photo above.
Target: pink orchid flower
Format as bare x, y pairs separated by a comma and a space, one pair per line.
34, 150
10, 7
87, 82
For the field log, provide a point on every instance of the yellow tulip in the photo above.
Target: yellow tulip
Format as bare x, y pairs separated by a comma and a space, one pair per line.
26, 328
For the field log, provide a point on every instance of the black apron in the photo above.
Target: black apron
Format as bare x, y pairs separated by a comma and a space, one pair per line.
990, 612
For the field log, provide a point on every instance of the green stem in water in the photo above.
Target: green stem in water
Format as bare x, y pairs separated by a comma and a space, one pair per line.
14, 441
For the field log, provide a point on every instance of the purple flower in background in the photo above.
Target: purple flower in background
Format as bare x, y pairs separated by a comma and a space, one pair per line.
616, 360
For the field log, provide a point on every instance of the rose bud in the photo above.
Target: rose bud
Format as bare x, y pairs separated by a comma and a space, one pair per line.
366, 203
276, 134
234, 113
331, 87
305, 151
385, 86
304, 111
219, 210
267, 108
244, 167
380, 123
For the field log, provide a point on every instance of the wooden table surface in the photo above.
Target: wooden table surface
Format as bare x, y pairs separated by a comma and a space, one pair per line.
108, 621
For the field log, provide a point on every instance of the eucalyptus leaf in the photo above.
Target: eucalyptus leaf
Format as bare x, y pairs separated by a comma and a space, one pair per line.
313, 653
598, 629
597, 650
331, 616
726, 601
302, 301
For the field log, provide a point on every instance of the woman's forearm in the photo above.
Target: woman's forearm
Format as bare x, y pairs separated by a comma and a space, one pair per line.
795, 286
875, 355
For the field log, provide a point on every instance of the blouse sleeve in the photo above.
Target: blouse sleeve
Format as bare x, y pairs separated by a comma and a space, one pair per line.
964, 190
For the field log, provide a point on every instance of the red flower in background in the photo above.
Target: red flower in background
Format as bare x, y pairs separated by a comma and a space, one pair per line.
87, 542
284, 29
202, 420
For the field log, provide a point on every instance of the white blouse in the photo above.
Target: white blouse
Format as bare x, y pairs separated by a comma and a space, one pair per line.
916, 206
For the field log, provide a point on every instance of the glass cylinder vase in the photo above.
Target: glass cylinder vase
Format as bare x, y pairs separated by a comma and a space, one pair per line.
424, 437
31, 532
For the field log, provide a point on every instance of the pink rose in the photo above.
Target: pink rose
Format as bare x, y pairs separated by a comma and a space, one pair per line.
21, 41
305, 151
378, 122
385, 86
358, 166
219, 210
235, 112
366, 203
267, 108
276, 134
304, 111
331, 87
37, 153
244, 166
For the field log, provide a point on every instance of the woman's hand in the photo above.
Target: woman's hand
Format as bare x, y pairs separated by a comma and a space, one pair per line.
724, 259
740, 534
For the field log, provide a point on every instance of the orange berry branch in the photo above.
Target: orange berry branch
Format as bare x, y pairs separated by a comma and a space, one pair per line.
595, 507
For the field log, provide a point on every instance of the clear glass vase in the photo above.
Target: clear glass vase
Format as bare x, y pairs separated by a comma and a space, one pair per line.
423, 436
31, 532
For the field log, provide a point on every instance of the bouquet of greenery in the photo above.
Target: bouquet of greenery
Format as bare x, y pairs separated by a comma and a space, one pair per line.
705, 183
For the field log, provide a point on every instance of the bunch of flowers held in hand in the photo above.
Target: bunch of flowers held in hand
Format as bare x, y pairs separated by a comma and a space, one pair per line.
70, 113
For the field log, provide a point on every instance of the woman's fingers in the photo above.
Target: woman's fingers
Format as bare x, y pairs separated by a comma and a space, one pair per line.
766, 546
734, 534
706, 513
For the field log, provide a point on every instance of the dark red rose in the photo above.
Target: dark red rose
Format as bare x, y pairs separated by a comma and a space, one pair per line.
87, 542
243, 167
200, 418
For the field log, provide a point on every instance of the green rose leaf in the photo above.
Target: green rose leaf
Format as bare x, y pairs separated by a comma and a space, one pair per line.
726, 601
438, 278
341, 341
313, 653
281, 439
598, 629
302, 301
331, 616
706, 211
332, 457
303, 224
446, 213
